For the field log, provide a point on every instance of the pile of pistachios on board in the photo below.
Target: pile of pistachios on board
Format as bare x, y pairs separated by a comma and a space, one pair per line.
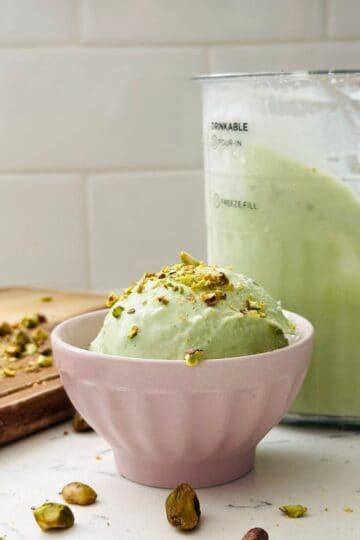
24, 346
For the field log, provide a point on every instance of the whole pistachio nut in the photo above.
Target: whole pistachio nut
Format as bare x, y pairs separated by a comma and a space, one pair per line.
5, 329
53, 516
80, 424
20, 338
30, 320
79, 493
256, 534
30, 349
13, 350
44, 361
294, 510
183, 508
40, 335
9, 372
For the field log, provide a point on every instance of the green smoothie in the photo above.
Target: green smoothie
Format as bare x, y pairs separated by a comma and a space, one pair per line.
296, 230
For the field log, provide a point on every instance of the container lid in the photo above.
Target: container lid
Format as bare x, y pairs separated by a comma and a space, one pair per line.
265, 74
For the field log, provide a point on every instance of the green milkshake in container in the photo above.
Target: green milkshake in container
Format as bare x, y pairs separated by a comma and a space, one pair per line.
282, 176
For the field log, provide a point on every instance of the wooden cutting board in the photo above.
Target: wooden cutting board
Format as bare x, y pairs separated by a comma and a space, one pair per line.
34, 400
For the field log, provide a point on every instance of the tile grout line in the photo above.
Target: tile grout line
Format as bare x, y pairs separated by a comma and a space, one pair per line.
166, 46
78, 11
87, 233
326, 21
95, 172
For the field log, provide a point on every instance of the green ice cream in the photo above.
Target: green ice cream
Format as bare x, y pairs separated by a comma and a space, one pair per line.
192, 311
297, 230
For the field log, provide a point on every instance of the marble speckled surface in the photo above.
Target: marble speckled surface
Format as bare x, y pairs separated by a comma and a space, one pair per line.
319, 468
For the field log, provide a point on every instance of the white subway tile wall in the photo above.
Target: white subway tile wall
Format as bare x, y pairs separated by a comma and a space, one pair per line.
35, 22
88, 109
201, 21
140, 221
343, 19
100, 123
43, 233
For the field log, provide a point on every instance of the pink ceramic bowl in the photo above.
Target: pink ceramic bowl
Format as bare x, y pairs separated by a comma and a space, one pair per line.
169, 423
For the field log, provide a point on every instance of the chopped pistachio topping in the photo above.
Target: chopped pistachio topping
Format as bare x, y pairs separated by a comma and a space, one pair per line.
193, 356
131, 310
111, 300
251, 304
44, 361
140, 288
294, 510
133, 331
348, 509
117, 311
47, 299
209, 298
31, 320
126, 293
220, 295
253, 313
163, 300
9, 372
188, 259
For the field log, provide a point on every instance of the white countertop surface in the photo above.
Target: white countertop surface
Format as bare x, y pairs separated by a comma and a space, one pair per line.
316, 467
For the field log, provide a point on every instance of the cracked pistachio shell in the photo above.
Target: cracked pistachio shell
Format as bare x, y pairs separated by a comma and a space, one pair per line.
53, 516
79, 493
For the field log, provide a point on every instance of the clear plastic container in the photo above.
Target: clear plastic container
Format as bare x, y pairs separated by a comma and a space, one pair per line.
282, 175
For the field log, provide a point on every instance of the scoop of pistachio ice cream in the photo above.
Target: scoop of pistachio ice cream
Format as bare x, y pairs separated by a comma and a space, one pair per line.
192, 311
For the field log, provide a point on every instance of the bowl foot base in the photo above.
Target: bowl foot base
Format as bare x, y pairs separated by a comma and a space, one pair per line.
169, 475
